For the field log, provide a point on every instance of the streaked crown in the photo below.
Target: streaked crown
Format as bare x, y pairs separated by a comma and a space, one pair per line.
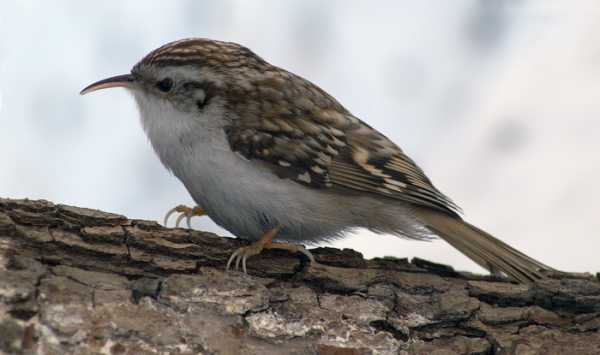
203, 52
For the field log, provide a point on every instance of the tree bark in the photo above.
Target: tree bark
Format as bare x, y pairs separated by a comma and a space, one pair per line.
81, 281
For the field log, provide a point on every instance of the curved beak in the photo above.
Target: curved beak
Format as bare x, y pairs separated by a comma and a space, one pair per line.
113, 82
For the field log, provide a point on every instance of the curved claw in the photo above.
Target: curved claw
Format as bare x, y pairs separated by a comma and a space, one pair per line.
171, 211
241, 255
185, 212
178, 220
235, 253
244, 263
237, 261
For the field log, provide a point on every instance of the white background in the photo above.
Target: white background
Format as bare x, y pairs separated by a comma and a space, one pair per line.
498, 101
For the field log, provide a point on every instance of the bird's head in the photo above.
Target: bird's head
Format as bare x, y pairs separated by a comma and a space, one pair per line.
190, 76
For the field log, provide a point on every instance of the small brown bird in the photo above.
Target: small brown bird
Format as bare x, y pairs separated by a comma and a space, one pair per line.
266, 153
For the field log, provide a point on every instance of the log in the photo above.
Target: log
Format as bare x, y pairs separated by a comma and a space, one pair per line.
81, 281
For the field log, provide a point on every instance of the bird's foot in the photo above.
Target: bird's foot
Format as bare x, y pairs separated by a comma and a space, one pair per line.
265, 242
184, 212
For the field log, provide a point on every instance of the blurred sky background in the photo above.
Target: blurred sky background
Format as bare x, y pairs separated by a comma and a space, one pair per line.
498, 101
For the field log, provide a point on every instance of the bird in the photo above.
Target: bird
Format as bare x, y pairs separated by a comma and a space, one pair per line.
268, 155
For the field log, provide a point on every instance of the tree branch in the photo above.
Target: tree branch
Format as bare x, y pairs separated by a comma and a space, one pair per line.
75, 280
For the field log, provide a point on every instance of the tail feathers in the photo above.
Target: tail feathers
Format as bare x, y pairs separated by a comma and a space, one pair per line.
487, 251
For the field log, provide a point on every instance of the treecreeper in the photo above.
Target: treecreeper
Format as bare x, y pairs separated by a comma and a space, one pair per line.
269, 155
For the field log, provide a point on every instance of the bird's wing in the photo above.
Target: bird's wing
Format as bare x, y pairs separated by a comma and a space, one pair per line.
314, 141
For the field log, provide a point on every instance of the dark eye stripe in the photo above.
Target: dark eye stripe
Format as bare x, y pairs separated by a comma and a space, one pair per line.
165, 85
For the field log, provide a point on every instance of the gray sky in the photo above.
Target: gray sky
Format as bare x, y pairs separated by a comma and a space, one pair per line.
498, 101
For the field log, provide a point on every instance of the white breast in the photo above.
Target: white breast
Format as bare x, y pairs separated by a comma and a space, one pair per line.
236, 193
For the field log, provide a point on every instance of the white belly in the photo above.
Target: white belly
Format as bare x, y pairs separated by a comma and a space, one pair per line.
247, 199
237, 194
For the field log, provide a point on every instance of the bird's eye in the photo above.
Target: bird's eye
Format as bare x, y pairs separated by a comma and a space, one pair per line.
165, 85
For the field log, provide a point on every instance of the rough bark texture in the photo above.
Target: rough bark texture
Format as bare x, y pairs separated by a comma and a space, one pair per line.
81, 281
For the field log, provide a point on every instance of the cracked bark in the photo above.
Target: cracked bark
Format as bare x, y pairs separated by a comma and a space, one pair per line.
79, 281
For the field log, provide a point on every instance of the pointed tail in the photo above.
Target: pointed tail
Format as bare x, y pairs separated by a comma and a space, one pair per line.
487, 251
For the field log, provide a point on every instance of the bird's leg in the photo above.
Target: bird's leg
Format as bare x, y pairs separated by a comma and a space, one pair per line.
184, 212
265, 242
